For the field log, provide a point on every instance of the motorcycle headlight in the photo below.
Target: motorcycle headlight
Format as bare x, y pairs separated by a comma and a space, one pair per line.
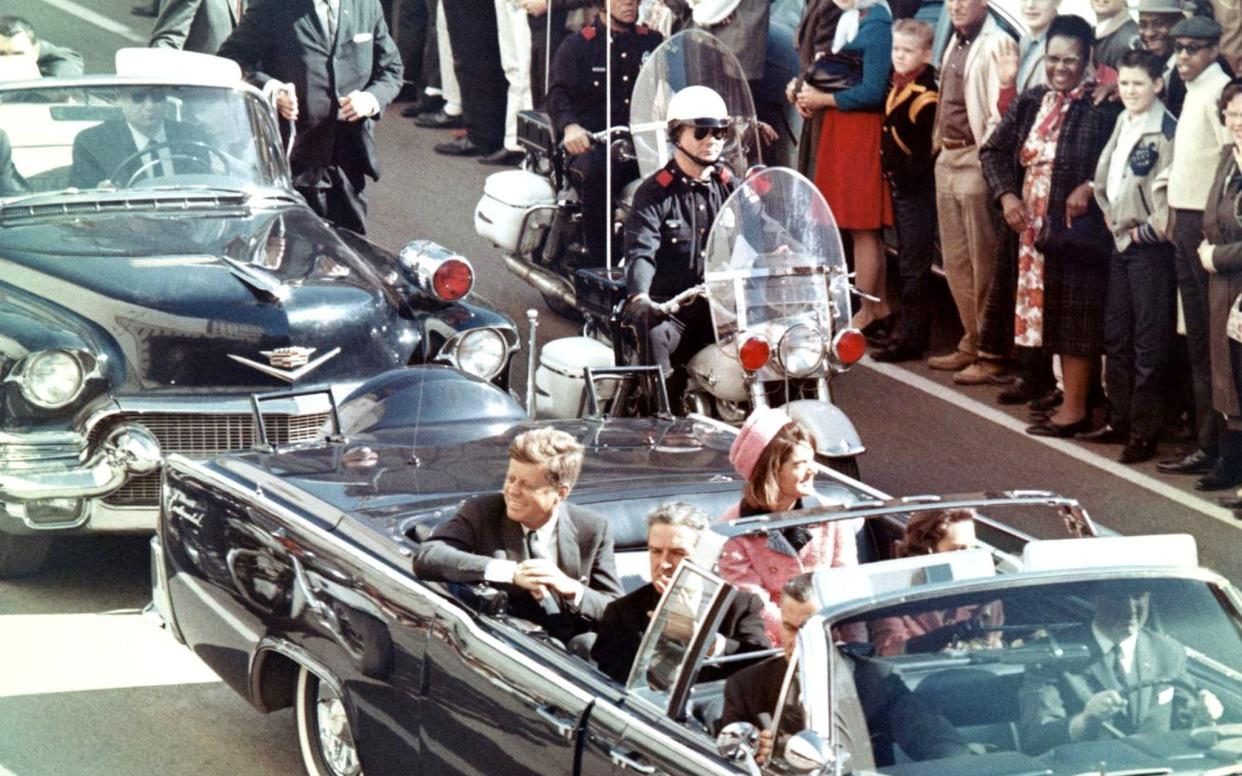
480, 352
801, 350
51, 379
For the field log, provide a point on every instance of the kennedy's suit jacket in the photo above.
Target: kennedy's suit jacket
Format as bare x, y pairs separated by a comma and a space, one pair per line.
99, 150
1049, 699
620, 630
11, 181
460, 549
282, 39
194, 25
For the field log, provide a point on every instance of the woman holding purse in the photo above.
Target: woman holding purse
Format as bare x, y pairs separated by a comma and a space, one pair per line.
1039, 164
847, 164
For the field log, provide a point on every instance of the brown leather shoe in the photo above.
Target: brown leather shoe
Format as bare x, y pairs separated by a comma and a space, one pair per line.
978, 372
951, 362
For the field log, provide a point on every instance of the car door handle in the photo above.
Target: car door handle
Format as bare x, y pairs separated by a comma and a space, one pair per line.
627, 761
565, 728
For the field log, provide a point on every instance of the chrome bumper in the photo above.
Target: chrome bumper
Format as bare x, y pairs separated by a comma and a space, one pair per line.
128, 450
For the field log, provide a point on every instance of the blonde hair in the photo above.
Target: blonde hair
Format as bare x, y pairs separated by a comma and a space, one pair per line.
915, 28
559, 453
763, 488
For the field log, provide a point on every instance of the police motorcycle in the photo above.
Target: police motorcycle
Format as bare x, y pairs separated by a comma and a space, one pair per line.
533, 215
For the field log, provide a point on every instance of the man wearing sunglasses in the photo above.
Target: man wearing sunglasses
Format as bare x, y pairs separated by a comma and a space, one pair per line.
143, 143
666, 232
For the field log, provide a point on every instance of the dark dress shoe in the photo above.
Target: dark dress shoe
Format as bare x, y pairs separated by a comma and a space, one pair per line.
1020, 392
1050, 429
1046, 402
1231, 502
1197, 462
460, 147
439, 120
1106, 435
503, 158
879, 333
428, 104
1137, 451
1219, 478
898, 351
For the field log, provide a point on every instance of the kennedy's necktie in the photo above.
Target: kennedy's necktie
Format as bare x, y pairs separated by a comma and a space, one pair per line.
533, 550
331, 17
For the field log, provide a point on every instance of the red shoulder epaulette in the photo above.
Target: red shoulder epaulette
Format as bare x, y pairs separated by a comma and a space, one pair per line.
642, 29
664, 178
588, 32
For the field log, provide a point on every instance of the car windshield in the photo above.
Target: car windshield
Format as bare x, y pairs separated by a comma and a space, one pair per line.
1083, 673
122, 138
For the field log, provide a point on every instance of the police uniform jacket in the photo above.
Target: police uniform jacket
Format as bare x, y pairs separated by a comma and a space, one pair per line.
283, 40
666, 232
906, 136
577, 91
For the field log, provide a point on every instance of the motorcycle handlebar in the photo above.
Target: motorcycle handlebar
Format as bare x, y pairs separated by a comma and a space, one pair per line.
684, 298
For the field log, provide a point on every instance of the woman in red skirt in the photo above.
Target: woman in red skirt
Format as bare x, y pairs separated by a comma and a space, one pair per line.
847, 168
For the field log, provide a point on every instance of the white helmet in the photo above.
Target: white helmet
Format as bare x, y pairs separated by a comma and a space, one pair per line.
697, 106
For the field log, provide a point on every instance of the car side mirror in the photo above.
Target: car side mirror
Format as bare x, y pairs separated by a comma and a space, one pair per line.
737, 740
807, 752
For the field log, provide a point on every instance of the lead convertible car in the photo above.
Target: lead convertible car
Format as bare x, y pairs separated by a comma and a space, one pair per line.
146, 294
288, 571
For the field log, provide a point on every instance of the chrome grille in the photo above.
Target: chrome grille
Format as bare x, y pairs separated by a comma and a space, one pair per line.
199, 435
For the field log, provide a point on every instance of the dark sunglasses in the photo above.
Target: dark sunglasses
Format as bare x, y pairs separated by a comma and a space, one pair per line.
137, 97
719, 133
1190, 48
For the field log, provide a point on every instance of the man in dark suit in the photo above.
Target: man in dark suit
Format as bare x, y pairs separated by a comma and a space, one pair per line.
892, 712
17, 37
1097, 700
11, 181
555, 558
196, 25
109, 151
332, 69
673, 530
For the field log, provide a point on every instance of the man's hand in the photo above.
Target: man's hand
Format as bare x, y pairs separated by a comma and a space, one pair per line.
1206, 258
791, 91
577, 140
1102, 706
1104, 92
640, 308
767, 133
534, 7
287, 103
1077, 202
764, 751
541, 574
1006, 57
357, 106
1014, 211
1211, 705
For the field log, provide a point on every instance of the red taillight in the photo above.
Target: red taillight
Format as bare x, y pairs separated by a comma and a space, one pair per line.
850, 346
754, 353
452, 280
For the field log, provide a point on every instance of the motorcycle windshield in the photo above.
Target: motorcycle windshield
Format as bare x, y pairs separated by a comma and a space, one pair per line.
775, 261
691, 58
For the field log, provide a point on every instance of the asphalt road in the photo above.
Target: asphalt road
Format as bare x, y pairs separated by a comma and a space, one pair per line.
90, 686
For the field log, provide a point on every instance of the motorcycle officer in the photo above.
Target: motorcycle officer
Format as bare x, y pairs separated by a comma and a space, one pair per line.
666, 233
577, 106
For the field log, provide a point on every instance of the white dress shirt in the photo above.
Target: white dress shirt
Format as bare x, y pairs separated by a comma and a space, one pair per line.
1132, 129
1128, 645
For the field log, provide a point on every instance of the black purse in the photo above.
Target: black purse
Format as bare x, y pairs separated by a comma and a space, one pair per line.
834, 72
1085, 240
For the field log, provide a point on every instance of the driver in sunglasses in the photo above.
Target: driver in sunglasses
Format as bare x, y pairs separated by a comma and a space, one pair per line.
666, 233
142, 142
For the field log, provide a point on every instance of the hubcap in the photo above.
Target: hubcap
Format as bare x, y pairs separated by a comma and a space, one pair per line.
336, 739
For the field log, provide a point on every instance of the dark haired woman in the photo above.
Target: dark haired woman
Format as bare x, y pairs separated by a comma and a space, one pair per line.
1039, 163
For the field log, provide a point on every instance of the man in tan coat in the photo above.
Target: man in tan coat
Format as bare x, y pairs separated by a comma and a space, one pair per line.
969, 87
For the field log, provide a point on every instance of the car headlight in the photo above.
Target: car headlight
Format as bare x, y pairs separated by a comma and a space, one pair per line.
481, 353
801, 350
52, 378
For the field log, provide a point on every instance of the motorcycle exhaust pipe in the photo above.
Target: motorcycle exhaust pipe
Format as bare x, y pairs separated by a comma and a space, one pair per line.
543, 281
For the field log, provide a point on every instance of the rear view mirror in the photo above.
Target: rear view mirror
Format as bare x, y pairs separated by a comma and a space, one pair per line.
737, 740
808, 753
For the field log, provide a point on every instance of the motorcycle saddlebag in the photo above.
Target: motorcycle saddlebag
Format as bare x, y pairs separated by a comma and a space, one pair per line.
534, 131
599, 289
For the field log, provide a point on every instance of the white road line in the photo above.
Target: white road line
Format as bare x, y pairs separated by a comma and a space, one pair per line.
100, 21
53, 653
998, 417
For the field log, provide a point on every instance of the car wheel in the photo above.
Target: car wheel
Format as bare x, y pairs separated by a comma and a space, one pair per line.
325, 734
22, 555
847, 466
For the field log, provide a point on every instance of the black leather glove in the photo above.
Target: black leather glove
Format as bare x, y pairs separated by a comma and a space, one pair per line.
640, 309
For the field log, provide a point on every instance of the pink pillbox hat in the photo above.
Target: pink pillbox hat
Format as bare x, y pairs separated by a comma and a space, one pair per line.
759, 429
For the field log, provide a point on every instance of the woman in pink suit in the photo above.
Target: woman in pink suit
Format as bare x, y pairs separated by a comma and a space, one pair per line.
933, 531
775, 454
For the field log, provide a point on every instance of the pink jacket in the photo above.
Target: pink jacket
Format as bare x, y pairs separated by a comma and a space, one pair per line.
762, 565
